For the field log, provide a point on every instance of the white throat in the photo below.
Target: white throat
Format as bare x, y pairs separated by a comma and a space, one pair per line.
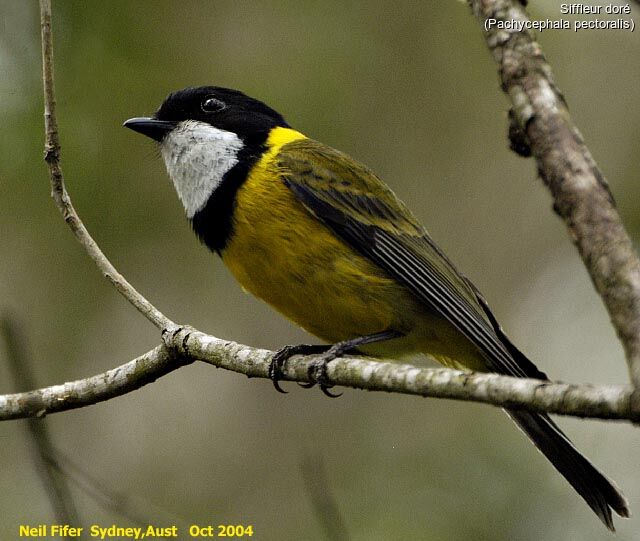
197, 156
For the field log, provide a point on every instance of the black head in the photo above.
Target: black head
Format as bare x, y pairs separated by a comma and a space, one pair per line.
223, 108
209, 139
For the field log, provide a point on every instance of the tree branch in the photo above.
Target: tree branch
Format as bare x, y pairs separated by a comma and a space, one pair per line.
185, 345
580, 192
576, 184
59, 192
44, 452
322, 499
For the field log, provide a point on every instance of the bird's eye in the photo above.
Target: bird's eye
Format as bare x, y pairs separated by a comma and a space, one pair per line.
212, 105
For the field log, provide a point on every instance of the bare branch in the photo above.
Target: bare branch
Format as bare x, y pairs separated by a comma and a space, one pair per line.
88, 391
133, 508
185, 345
324, 504
580, 192
578, 188
44, 453
59, 192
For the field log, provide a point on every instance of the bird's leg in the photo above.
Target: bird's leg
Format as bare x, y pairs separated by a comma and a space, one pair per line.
318, 369
283, 355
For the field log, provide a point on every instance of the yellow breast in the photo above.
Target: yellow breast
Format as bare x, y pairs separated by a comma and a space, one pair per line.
282, 254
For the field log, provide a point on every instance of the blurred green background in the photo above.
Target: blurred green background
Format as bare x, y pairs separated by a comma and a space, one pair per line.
409, 89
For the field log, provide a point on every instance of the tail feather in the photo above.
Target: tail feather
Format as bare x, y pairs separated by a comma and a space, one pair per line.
600, 493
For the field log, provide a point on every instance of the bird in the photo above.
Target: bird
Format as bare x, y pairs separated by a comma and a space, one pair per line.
318, 236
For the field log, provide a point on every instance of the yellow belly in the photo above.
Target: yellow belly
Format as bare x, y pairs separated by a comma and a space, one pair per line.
283, 255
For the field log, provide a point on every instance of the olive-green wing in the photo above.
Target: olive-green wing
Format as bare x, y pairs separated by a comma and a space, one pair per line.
361, 210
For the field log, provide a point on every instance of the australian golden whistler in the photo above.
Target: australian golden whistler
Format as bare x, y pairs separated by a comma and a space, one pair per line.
323, 240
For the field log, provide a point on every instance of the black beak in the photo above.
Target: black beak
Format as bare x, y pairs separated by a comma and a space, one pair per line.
156, 129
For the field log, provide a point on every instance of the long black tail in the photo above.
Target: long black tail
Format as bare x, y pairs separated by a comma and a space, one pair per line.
600, 493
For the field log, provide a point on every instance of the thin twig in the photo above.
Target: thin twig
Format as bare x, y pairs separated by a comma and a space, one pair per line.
44, 453
59, 192
322, 499
580, 192
92, 390
123, 504
185, 345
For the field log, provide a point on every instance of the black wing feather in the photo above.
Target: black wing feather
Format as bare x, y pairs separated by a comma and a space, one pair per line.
400, 255
346, 199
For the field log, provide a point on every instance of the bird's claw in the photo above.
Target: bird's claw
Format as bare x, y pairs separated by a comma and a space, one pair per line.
280, 358
318, 373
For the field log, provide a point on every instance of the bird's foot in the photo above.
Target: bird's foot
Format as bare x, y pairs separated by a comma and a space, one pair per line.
318, 373
318, 369
283, 355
